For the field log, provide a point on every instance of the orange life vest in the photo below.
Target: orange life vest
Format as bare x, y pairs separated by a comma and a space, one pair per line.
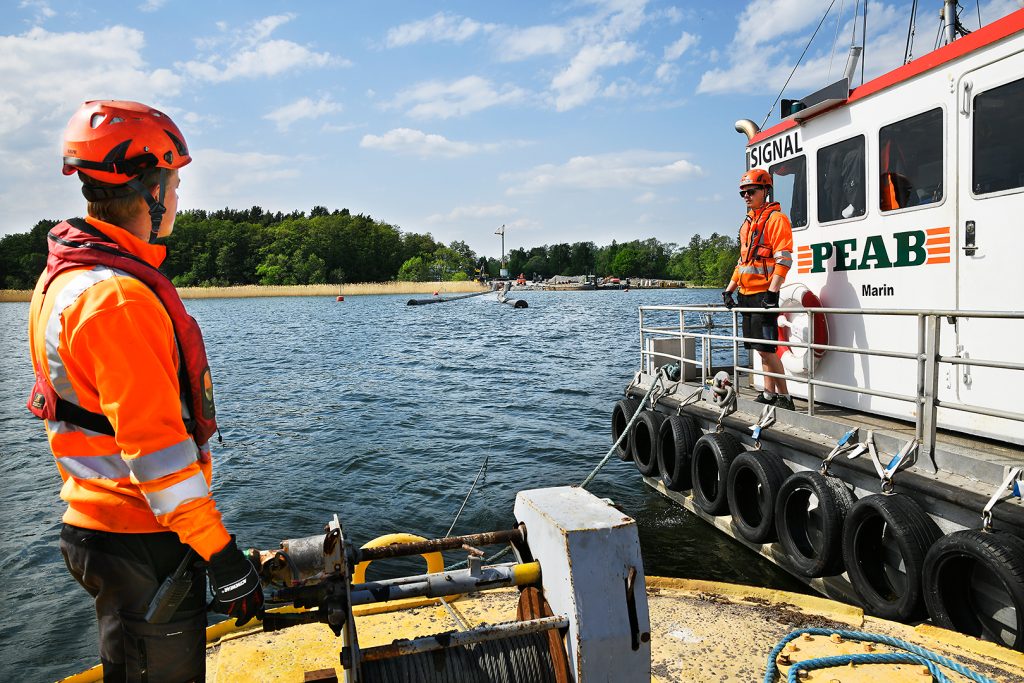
766, 249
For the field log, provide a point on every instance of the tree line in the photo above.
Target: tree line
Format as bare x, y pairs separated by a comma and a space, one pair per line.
255, 247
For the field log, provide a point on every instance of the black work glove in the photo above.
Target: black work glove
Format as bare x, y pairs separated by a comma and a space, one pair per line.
770, 300
728, 300
235, 584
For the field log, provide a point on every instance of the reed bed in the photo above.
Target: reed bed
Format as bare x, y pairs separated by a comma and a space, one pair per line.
248, 291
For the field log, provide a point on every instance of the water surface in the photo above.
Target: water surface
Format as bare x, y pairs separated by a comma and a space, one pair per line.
379, 412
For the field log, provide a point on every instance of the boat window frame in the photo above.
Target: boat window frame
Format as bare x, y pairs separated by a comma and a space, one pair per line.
970, 132
807, 194
817, 169
945, 163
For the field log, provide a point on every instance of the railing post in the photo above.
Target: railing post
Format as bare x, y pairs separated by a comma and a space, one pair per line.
928, 382
736, 353
810, 366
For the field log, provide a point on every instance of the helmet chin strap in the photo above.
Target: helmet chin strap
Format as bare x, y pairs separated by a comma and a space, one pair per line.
156, 206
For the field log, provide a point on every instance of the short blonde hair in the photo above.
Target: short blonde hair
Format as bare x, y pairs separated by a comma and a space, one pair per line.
122, 204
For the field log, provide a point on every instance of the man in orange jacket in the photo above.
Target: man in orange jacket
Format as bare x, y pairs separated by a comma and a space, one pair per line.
766, 255
124, 388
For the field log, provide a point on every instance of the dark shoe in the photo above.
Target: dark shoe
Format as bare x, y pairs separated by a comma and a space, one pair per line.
768, 401
784, 402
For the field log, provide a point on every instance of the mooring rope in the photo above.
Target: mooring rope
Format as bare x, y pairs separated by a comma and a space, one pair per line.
482, 470
625, 432
917, 655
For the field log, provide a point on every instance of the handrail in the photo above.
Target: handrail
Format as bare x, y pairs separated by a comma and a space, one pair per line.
926, 356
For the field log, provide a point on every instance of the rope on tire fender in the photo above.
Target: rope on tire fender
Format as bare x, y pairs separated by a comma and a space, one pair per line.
917, 654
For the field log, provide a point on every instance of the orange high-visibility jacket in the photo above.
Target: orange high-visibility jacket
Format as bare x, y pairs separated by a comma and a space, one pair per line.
107, 344
766, 249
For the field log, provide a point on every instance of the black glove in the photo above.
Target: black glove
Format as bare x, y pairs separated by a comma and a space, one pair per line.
770, 300
728, 300
235, 584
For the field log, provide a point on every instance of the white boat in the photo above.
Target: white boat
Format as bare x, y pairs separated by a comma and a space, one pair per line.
901, 326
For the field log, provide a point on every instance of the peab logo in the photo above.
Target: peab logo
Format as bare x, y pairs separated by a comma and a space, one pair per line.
901, 249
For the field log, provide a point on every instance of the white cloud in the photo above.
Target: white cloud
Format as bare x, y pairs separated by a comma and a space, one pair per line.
434, 99
679, 48
605, 171
645, 198
417, 143
885, 52
304, 108
472, 212
152, 5
41, 8
579, 83
763, 21
441, 27
40, 87
666, 72
519, 44
247, 53
219, 178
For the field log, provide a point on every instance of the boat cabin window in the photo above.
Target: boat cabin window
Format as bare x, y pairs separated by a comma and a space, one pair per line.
789, 180
910, 161
998, 147
841, 180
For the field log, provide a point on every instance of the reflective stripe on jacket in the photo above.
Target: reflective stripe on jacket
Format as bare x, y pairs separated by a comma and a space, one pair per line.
766, 249
107, 344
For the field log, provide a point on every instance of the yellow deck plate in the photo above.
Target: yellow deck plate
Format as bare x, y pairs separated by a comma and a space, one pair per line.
701, 631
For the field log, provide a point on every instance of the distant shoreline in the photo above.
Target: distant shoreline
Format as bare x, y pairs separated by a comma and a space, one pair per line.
250, 291
355, 289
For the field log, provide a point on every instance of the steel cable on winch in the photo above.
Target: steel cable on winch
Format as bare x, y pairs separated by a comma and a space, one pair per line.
525, 657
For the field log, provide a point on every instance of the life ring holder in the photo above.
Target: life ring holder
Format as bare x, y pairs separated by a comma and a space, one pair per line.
435, 564
794, 326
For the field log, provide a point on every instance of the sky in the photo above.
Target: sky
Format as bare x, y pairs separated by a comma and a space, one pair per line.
564, 121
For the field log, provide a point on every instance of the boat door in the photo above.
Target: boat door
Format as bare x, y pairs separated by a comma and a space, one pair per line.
990, 241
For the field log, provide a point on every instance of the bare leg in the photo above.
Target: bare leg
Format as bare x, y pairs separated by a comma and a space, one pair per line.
771, 363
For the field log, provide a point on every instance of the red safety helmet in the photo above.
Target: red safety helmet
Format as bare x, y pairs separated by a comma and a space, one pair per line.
115, 141
756, 176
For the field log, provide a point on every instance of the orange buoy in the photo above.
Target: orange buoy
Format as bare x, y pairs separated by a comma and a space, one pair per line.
340, 298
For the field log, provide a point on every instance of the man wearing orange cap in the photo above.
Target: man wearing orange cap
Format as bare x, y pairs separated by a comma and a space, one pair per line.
124, 387
766, 255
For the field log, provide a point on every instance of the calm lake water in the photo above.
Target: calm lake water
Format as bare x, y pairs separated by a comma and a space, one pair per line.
380, 412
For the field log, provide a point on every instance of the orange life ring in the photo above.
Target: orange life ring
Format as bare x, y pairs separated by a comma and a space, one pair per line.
794, 326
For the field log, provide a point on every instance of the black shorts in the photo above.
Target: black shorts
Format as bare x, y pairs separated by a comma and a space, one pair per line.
759, 325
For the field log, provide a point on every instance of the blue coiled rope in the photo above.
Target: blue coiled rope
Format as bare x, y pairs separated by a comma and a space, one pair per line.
917, 655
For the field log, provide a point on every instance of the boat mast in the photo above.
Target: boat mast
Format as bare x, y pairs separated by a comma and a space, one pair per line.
949, 15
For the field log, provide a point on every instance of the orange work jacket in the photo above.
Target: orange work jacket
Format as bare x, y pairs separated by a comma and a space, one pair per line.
107, 344
766, 249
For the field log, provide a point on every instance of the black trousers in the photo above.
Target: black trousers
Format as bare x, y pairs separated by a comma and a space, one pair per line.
122, 573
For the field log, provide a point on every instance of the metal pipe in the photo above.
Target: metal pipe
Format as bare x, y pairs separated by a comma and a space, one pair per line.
444, 584
515, 535
442, 641
747, 127
438, 300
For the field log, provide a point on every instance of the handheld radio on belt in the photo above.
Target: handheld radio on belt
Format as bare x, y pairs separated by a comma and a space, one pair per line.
172, 591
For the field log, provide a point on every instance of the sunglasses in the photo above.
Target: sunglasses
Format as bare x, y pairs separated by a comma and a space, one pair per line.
750, 192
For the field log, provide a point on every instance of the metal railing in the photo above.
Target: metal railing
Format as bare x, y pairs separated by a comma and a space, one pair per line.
926, 356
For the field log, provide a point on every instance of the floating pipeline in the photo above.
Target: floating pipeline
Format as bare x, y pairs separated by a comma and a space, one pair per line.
440, 300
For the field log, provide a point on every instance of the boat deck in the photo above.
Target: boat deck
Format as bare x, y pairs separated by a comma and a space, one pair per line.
701, 631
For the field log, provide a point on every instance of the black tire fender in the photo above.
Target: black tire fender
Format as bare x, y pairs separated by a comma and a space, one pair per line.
880, 534
974, 583
709, 469
679, 434
643, 441
752, 487
809, 515
622, 413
